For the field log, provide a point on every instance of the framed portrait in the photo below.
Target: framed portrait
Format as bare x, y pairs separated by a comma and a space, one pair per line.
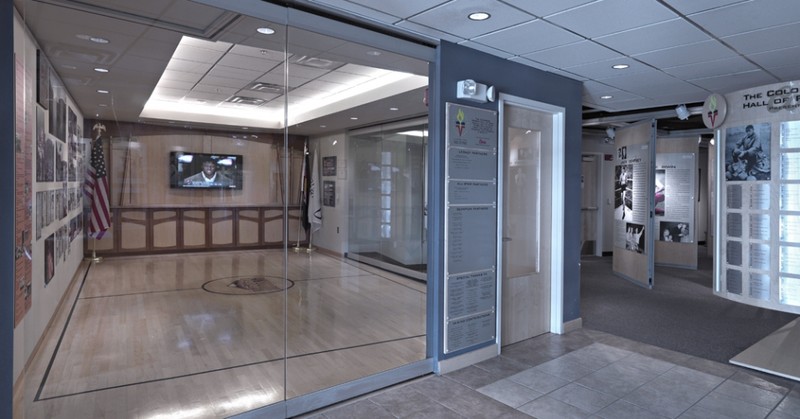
42, 79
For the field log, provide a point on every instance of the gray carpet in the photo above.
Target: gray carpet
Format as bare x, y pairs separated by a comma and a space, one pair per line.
680, 313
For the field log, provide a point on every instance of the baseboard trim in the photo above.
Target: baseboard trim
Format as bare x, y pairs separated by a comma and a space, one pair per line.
462, 361
574, 324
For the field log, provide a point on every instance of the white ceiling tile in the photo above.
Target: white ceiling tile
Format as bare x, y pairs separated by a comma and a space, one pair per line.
486, 49
650, 84
546, 68
348, 78
733, 82
661, 35
368, 9
257, 94
748, 16
303, 72
235, 73
324, 86
777, 58
401, 9
693, 6
201, 55
570, 55
528, 37
202, 43
361, 70
452, 18
787, 73
687, 54
427, 31
176, 84
776, 37
181, 76
206, 96
605, 17
223, 82
545, 8
258, 53
711, 68
186, 66
209, 88
244, 62
276, 77
602, 69
167, 93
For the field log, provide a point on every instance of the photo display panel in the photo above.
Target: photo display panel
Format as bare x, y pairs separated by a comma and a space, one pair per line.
758, 227
471, 227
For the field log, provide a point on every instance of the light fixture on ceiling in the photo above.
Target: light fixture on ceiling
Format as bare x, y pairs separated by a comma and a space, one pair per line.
479, 16
611, 133
95, 39
354, 118
102, 91
606, 97
477, 92
373, 53
620, 66
394, 109
683, 113
265, 30
101, 70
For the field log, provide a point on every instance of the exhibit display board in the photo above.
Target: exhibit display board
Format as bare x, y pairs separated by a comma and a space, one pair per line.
758, 222
675, 202
470, 316
633, 203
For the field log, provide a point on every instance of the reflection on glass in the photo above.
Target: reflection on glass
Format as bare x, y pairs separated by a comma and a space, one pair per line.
387, 223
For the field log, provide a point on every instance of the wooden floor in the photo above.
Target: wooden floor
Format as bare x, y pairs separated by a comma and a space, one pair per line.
142, 338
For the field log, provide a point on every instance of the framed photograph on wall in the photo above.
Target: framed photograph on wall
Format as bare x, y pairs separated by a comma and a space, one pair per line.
329, 193
329, 166
42, 79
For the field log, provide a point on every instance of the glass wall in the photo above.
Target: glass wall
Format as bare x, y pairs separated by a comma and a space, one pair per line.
225, 154
388, 192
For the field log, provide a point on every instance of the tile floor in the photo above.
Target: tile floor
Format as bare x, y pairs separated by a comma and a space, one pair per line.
584, 374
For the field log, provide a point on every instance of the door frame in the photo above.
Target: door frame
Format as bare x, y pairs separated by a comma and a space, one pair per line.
557, 157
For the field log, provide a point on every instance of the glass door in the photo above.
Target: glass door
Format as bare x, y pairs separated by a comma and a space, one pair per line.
388, 210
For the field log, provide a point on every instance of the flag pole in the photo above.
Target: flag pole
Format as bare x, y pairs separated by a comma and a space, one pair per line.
95, 258
310, 249
297, 247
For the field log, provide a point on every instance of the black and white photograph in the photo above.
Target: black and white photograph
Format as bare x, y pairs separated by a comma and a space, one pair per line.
661, 192
40, 215
58, 108
42, 79
61, 164
673, 231
72, 145
49, 259
623, 192
747, 152
41, 147
634, 237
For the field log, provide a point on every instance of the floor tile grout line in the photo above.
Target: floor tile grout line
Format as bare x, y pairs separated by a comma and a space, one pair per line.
249, 364
61, 336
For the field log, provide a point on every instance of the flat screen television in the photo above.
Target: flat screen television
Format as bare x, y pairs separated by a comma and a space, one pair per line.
205, 171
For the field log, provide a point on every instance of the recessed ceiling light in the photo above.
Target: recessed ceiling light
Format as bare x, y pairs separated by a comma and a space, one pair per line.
620, 66
374, 53
323, 126
354, 118
606, 97
245, 128
105, 92
101, 70
478, 16
265, 30
394, 109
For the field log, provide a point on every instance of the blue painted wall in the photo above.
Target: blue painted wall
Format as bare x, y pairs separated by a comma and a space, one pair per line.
6, 211
456, 63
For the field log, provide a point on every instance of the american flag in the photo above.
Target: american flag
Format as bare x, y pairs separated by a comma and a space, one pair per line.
96, 189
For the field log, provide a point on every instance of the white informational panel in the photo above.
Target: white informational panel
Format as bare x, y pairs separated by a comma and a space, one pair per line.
470, 316
676, 202
633, 203
758, 223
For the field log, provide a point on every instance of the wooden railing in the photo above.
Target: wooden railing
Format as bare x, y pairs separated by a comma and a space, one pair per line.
155, 230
